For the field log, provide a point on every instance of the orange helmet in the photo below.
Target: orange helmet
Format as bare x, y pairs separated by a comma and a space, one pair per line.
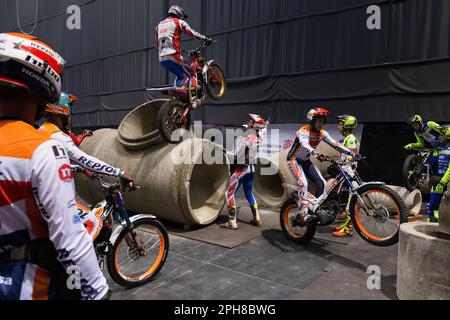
29, 64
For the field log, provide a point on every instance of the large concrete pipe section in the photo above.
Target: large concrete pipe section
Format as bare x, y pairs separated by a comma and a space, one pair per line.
423, 262
413, 200
176, 183
140, 128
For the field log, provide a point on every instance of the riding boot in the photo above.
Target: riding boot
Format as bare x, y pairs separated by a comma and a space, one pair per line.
232, 219
433, 206
256, 216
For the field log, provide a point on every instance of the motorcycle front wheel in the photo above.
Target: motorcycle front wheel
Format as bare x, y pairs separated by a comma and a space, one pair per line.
378, 215
130, 266
411, 179
292, 226
216, 82
171, 125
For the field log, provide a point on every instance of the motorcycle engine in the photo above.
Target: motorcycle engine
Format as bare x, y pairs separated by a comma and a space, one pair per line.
328, 212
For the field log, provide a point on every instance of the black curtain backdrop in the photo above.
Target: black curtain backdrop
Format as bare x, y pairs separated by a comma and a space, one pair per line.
281, 56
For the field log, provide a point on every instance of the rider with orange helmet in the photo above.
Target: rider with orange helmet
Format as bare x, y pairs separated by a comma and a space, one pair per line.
300, 165
40, 244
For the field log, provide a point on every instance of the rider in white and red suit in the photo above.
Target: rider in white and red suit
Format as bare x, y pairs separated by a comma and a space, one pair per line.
246, 155
168, 41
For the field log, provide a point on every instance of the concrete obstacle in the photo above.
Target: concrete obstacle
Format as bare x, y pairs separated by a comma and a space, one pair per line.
140, 128
176, 184
423, 262
413, 200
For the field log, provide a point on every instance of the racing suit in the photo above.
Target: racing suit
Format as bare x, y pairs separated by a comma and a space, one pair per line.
429, 134
299, 162
168, 41
246, 155
38, 236
441, 178
76, 155
86, 161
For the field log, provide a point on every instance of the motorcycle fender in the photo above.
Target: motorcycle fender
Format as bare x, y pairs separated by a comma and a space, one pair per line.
133, 219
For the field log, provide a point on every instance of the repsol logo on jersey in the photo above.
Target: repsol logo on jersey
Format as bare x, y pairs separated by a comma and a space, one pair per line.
40, 65
96, 166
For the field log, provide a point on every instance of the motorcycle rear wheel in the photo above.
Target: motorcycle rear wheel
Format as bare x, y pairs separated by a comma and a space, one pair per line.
410, 179
301, 234
170, 127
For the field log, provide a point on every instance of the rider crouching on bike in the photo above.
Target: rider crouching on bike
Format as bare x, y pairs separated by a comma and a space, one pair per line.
347, 124
440, 181
40, 245
168, 41
426, 133
300, 165
245, 157
57, 115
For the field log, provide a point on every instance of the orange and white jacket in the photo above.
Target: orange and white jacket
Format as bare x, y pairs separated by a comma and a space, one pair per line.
307, 140
37, 201
76, 154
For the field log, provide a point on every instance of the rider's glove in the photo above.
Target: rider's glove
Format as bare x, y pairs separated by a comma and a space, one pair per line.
408, 147
440, 187
208, 41
127, 181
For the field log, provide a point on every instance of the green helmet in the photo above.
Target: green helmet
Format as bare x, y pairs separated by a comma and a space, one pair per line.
350, 122
415, 118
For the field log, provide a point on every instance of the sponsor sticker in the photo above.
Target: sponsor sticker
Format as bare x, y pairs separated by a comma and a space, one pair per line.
65, 173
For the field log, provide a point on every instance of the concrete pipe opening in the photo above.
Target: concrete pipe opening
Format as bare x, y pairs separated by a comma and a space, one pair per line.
206, 191
140, 129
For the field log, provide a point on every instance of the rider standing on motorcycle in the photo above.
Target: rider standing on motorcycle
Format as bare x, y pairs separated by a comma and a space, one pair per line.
347, 124
245, 157
426, 133
300, 165
440, 181
40, 245
57, 115
168, 41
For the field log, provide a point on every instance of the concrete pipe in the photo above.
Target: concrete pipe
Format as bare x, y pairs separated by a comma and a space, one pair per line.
413, 200
444, 212
140, 128
176, 185
423, 262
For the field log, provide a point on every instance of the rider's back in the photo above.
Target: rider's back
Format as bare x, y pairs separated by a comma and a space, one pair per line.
37, 207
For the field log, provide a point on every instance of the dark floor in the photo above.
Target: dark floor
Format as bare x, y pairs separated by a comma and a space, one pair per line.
269, 267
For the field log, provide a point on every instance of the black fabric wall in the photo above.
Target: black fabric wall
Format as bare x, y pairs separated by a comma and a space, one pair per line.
281, 56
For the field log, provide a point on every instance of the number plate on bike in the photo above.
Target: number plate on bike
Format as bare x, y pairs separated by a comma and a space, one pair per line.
349, 170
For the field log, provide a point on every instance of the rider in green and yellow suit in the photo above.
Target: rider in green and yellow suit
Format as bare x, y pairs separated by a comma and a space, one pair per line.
441, 179
427, 134
347, 124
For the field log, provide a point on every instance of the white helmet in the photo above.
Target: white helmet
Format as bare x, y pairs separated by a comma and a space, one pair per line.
29, 64
258, 121
178, 12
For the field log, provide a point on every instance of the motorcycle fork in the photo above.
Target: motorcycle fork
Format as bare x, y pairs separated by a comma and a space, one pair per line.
131, 238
